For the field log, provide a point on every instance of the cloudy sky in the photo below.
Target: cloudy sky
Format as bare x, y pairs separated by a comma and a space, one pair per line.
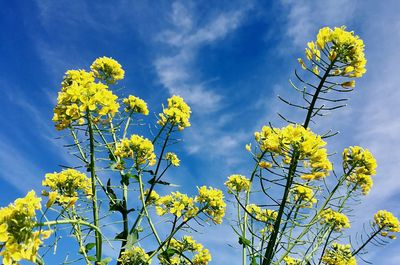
228, 59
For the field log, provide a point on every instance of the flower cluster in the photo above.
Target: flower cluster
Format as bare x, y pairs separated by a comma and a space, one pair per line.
344, 47
17, 222
79, 95
172, 158
201, 256
295, 138
65, 185
135, 105
339, 255
152, 198
107, 70
387, 222
140, 149
212, 201
291, 261
361, 165
177, 204
134, 256
263, 215
177, 113
237, 183
337, 220
305, 195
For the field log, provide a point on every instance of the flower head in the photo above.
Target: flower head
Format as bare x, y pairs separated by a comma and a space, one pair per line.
339, 255
65, 185
107, 69
135, 105
140, 149
337, 220
134, 256
81, 95
387, 223
361, 165
17, 223
237, 183
212, 201
177, 113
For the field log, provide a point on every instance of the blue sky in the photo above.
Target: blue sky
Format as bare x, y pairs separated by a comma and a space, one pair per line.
228, 59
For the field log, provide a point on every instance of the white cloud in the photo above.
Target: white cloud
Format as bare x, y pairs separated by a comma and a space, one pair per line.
177, 69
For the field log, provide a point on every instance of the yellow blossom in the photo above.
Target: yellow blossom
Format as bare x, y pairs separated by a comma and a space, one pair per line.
237, 183
361, 165
291, 261
304, 194
17, 223
65, 185
177, 113
134, 255
172, 158
107, 69
212, 201
339, 255
177, 204
337, 220
296, 138
140, 149
387, 222
263, 215
79, 95
136, 105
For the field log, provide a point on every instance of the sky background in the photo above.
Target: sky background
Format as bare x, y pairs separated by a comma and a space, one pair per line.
228, 59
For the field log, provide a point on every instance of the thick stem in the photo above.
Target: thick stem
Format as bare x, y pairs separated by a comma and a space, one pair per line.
95, 209
269, 252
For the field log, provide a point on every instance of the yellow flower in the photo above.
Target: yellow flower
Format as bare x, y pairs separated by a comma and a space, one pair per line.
349, 84
363, 166
177, 204
337, 220
237, 183
134, 255
172, 158
263, 215
387, 222
65, 185
81, 94
135, 105
339, 255
291, 261
140, 149
304, 194
296, 138
212, 201
153, 198
107, 69
345, 47
17, 223
265, 164
177, 113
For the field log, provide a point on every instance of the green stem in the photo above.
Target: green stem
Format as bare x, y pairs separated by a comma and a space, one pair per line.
269, 252
95, 209
366, 242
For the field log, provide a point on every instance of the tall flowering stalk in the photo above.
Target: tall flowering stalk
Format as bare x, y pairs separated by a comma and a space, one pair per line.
287, 211
110, 149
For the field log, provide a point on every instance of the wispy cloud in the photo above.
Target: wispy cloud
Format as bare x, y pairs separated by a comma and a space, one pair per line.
185, 37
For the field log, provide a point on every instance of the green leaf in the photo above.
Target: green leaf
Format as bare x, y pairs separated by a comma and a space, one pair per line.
92, 258
90, 246
106, 261
244, 241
